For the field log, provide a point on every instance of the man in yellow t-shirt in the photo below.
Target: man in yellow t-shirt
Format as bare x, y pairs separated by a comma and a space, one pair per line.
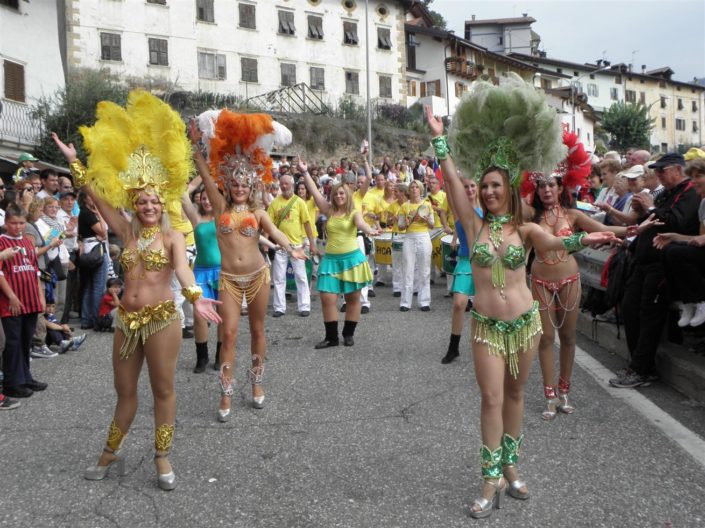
439, 201
371, 208
289, 214
380, 181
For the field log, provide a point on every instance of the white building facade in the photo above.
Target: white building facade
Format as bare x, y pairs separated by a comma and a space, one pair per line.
31, 68
244, 47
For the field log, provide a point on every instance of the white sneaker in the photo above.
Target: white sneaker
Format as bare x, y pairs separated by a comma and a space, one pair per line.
77, 341
65, 345
699, 316
687, 312
42, 352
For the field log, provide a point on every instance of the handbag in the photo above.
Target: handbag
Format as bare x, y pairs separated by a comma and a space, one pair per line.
93, 258
58, 269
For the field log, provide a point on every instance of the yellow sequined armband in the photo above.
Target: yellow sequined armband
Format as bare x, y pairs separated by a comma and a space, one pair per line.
78, 173
192, 293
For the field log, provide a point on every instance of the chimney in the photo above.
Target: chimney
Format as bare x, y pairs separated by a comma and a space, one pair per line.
525, 15
643, 68
473, 17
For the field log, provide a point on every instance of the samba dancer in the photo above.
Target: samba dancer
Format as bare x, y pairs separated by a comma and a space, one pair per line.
235, 158
555, 278
505, 319
139, 159
343, 269
462, 286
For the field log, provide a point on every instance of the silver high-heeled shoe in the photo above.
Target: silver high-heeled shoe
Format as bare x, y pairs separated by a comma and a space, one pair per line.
255, 376
486, 505
226, 389
552, 403
100, 472
165, 481
564, 406
514, 486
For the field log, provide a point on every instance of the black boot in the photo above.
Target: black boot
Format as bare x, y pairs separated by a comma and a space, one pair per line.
349, 332
331, 339
201, 357
453, 351
216, 362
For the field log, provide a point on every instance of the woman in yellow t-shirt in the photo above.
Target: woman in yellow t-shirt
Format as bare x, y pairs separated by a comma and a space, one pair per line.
302, 192
343, 270
401, 195
415, 220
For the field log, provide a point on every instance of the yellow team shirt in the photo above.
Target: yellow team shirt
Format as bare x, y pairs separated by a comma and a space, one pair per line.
292, 225
342, 234
179, 223
312, 215
440, 200
374, 191
418, 224
367, 205
393, 211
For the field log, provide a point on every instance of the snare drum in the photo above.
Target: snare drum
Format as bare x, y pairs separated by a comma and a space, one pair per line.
446, 252
383, 249
436, 256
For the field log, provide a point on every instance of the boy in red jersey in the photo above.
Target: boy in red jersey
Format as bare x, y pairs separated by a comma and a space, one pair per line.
21, 299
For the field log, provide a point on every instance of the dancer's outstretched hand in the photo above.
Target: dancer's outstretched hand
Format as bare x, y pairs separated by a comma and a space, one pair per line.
302, 166
68, 151
601, 237
434, 123
206, 309
299, 254
194, 133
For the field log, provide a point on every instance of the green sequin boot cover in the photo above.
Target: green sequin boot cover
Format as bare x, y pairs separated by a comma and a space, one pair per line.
510, 449
491, 462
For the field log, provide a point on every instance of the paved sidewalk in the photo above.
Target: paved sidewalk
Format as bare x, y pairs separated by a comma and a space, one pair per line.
379, 435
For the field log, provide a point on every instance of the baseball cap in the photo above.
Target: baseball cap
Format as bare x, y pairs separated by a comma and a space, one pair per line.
67, 193
634, 172
26, 156
672, 158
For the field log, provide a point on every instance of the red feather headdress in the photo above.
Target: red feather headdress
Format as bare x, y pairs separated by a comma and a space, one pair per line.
573, 170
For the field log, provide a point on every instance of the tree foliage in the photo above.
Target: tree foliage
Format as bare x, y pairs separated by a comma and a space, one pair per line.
629, 125
438, 19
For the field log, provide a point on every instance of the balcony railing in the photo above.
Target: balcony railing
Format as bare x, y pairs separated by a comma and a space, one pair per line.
297, 99
17, 126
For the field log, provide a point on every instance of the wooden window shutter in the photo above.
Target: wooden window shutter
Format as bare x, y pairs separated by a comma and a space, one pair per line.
423, 89
438, 88
14, 81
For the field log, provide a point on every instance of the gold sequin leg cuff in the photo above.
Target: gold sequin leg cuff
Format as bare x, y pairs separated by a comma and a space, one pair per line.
163, 436
115, 437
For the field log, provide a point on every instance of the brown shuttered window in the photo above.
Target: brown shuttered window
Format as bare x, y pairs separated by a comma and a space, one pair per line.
14, 81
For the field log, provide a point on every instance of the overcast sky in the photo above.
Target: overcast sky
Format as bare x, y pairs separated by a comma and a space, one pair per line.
660, 33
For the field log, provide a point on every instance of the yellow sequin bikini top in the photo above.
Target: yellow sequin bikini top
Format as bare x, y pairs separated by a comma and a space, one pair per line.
152, 259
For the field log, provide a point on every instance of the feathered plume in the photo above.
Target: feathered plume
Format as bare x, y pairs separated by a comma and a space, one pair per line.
146, 123
242, 140
513, 120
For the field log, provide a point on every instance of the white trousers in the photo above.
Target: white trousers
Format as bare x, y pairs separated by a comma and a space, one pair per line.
397, 269
416, 254
303, 293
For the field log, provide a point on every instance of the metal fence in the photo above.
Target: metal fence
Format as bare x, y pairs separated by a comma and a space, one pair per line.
17, 126
297, 99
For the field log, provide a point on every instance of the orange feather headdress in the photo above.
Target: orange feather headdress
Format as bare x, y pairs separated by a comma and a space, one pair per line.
239, 144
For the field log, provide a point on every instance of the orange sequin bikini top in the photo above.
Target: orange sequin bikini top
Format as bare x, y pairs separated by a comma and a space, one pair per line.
239, 218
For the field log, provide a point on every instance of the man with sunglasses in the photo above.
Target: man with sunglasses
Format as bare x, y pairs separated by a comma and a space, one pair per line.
645, 303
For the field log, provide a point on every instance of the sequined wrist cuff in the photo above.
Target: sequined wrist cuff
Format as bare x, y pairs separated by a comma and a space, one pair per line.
574, 242
78, 173
441, 147
192, 293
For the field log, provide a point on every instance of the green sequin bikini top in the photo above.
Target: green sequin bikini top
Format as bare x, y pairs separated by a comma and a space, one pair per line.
514, 257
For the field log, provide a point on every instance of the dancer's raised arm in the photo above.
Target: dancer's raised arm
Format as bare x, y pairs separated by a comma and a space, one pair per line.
117, 223
320, 200
450, 174
216, 199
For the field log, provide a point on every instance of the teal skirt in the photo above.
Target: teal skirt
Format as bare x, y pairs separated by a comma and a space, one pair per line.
343, 273
462, 277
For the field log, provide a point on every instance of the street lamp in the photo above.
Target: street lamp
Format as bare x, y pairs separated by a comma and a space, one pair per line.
367, 66
573, 87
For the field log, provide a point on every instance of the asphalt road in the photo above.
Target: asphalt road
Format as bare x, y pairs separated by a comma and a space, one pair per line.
380, 434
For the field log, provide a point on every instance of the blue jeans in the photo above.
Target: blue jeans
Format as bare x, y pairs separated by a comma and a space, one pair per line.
92, 289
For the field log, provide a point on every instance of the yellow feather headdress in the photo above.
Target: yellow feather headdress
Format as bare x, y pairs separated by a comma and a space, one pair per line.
140, 148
